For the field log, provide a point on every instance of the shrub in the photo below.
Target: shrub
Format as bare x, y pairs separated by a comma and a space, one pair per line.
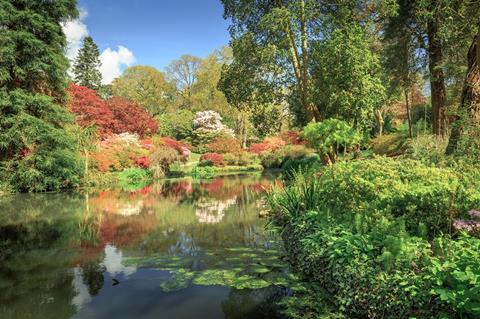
291, 138
308, 164
161, 159
269, 144
329, 136
182, 148
272, 160
90, 109
119, 152
456, 271
203, 172
143, 162
223, 145
407, 189
208, 126
364, 230
211, 159
178, 125
134, 177
278, 157
428, 149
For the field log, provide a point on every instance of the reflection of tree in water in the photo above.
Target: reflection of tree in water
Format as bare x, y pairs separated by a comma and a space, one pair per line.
253, 303
92, 274
213, 211
185, 246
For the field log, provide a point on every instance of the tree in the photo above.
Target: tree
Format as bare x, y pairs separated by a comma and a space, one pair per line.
448, 27
402, 62
184, 73
86, 68
347, 76
146, 86
470, 102
205, 92
252, 84
91, 110
284, 26
37, 153
115, 116
286, 34
131, 117
178, 125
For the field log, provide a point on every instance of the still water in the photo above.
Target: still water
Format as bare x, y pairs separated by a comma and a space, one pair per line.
178, 249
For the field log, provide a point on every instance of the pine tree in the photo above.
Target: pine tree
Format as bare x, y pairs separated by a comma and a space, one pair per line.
37, 152
86, 68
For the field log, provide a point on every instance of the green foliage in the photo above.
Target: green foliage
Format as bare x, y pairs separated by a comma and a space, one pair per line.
348, 82
86, 68
147, 87
206, 172
36, 152
310, 163
277, 158
393, 144
363, 231
240, 159
134, 178
178, 125
456, 274
201, 138
429, 149
162, 158
329, 136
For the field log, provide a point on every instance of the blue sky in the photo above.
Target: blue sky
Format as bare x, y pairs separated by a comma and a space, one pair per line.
154, 31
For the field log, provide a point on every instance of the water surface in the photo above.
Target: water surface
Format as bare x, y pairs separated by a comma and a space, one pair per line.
177, 249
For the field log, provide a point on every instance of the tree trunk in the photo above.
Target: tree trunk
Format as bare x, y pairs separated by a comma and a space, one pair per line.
470, 102
380, 121
86, 162
437, 78
300, 63
409, 113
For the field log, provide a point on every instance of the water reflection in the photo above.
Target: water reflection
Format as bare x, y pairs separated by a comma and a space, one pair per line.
139, 254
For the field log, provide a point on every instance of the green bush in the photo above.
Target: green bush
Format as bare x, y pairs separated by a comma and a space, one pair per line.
309, 163
364, 230
428, 149
329, 136
177, 125
134, 178
206, 172
240, 159
279, 157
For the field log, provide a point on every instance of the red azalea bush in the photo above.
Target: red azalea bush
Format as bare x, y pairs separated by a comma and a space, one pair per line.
212, 158
115, 116
291, 138
143, 162
223, 145
268, 144
118, 152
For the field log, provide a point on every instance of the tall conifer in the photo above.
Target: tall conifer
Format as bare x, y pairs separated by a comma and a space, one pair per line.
86, 68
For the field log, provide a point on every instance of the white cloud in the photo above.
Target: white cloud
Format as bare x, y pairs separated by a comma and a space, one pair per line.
113, 62
75, 31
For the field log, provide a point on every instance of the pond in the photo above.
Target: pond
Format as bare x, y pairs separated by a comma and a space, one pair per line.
177, 249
